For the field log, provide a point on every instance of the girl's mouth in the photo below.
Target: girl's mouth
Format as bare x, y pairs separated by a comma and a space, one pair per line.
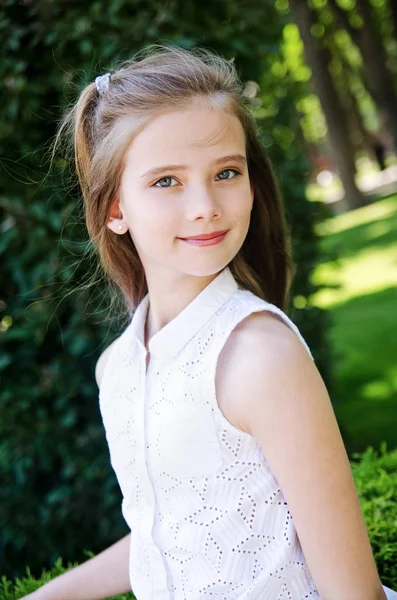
207, 239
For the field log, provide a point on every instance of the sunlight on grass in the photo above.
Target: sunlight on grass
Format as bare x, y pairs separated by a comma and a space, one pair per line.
362, 297
371, 271
366, 214
371, 267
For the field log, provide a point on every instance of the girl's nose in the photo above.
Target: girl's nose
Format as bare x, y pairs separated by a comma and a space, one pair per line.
202, 204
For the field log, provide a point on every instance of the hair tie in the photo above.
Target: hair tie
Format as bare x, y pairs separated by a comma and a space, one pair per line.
102, 83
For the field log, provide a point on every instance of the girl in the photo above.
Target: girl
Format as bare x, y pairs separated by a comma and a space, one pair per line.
235, 479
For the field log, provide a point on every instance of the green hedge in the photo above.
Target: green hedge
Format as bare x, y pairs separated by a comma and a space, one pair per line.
375, 476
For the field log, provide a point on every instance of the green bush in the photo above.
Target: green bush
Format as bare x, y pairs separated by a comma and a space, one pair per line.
376, 481
375, 477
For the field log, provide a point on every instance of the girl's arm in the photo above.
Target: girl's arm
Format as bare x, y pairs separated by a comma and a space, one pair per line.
103, 576
284, 404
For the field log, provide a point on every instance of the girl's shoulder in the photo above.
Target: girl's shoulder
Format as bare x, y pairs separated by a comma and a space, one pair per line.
263, 348
265, 334
255, 349
259, 319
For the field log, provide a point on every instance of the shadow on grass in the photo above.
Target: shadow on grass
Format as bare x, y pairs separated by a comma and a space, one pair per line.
364, 339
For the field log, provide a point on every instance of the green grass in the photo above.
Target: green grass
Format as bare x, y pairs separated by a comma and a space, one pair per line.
363, 306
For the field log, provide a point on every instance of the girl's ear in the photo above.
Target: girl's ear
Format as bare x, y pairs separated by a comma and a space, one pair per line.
116, 221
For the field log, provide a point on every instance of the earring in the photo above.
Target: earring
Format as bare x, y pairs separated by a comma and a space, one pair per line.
121, 226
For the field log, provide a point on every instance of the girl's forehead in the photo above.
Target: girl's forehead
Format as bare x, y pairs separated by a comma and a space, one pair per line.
193, 131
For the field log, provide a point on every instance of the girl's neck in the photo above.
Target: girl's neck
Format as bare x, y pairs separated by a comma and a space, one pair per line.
164, 306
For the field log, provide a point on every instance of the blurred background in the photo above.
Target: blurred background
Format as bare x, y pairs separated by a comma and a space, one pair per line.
322, 79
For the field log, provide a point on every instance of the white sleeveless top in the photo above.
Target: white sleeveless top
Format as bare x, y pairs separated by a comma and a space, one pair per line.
207, 516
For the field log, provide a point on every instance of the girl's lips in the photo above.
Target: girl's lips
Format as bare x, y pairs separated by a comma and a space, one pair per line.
205, 242
206, 236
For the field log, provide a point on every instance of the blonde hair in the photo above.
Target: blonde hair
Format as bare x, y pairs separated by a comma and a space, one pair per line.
101, 127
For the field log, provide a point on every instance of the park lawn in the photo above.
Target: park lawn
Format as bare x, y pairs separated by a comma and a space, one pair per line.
363, 309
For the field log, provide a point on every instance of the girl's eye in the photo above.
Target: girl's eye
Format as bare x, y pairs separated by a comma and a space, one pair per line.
225, 172
164, 182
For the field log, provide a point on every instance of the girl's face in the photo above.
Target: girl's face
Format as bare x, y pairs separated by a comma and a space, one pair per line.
185, 175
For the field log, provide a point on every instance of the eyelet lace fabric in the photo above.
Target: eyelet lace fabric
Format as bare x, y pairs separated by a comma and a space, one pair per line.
207, 516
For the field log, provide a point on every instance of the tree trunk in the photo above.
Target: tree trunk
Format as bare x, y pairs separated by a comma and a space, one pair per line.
318, 59
359, 136
378, 78
393, 10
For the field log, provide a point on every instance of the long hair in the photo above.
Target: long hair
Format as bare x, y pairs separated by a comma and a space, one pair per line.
101, 127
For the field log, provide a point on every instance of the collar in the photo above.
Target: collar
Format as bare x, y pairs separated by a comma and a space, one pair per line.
171, 338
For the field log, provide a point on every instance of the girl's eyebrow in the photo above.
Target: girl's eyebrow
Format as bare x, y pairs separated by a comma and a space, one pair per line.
158, 170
